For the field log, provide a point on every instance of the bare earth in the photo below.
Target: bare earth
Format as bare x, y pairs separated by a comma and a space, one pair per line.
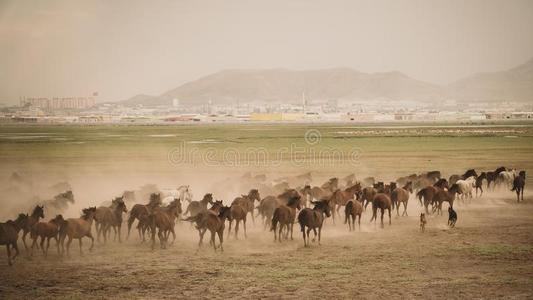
488, 255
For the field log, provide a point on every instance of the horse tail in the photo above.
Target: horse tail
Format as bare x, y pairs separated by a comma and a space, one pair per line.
275, 220
420, 194
301, 220
347, 209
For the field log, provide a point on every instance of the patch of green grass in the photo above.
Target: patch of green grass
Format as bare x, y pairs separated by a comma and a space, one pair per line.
501, 250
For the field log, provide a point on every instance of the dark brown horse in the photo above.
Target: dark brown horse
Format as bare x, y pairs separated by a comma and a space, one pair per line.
9, 233
248, 202
401, 195
142, 211
285, 215
163, 220
479, 183
46, 231
519, 183
441, 183
110, 217
266, 209
313, 219
492, 176
36, 215
352, 210
383, 202
196, 207
426, 195
78, 229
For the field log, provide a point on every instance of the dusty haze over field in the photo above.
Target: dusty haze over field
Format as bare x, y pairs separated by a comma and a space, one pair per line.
123, 48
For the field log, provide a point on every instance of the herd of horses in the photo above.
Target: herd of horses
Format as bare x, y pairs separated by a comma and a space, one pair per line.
284, 206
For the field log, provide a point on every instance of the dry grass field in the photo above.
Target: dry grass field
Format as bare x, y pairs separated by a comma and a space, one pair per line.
489, 254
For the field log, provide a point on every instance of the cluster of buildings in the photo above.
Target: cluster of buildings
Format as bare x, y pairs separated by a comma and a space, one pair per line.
85, 110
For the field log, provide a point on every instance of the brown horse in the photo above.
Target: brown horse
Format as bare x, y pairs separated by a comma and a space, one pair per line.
36, 215
518, 185
46, 230
443, 195
163, 219
368, 195
141, 212
248, 202
9, 233
196, 207
285, 215
341, 197
401, 195
215, 223
426, 195
266, 209
383, 202
479, 183
238, 214
110, 217
353, 209
78, 229
313, 219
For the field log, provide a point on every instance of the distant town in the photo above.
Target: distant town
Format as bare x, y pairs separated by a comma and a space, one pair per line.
86, 110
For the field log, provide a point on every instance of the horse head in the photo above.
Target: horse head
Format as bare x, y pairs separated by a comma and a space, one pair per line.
38, 211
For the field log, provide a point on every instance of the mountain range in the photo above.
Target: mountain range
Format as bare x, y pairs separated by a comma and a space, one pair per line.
343, 84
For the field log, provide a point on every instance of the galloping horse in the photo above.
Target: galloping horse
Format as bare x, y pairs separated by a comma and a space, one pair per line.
141, 212
313, 219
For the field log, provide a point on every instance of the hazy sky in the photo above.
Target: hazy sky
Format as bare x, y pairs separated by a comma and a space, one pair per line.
121, 48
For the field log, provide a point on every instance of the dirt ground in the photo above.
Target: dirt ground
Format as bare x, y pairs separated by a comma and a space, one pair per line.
488, 255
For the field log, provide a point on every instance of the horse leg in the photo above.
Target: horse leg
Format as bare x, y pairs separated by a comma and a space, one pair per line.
280, 232
24, 233
390, 222
97, 227
119, 227
314, 238
161, 238
68, 245
308, 230
221, 238
131, 219
303, 233
291, 225
42, 245
213, 240
237, 228
244, 226
80, 242
173, 235
382, 213
229, 229
359, 222
319, 234
47, 246
8, 255
201, 232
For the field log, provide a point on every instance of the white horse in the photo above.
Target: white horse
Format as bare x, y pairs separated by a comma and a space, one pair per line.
185, 193
506, 177
466, 186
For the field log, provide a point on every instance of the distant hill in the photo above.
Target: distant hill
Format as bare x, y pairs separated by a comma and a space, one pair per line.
515, 85
282, 86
